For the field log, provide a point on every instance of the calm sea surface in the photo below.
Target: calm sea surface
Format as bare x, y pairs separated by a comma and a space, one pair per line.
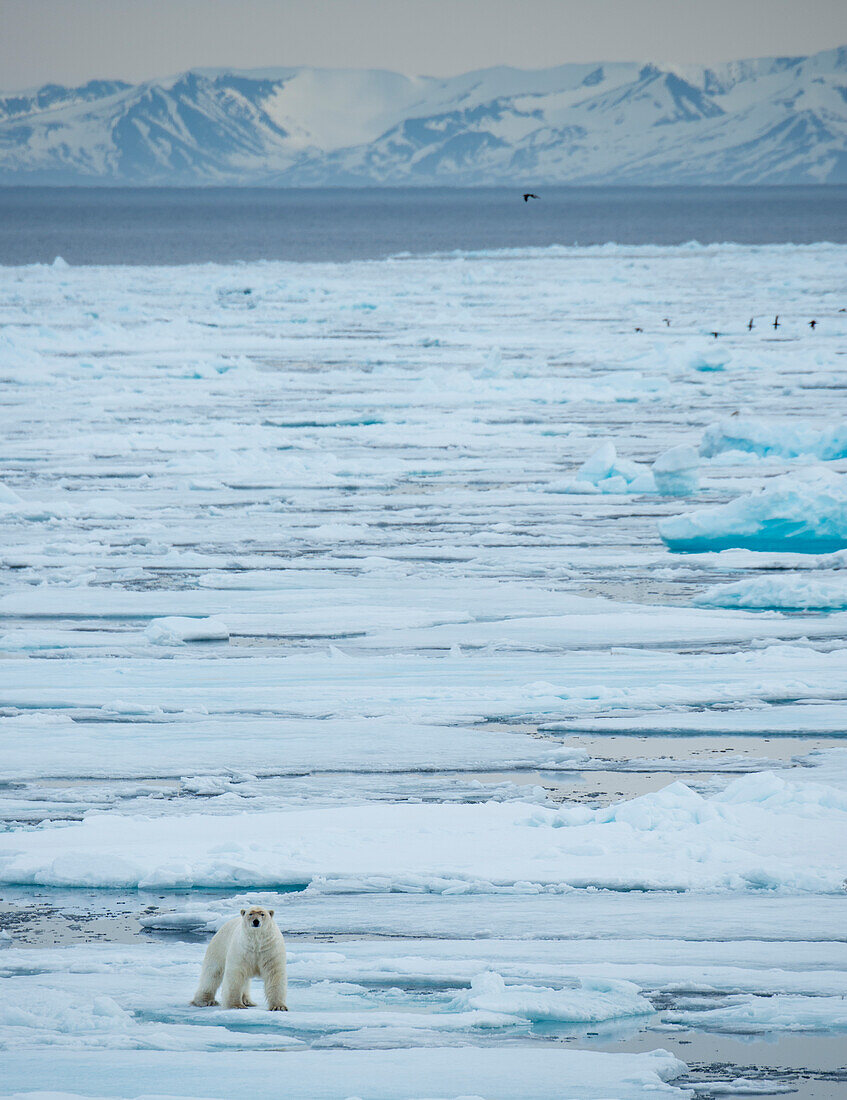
175, 226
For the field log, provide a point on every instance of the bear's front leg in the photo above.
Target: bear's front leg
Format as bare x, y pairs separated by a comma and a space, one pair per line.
276, 987
235, 992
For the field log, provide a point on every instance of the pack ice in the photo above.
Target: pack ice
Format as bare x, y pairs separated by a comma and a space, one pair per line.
429, 603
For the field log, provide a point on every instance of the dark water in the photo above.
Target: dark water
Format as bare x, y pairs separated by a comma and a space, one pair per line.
174, 226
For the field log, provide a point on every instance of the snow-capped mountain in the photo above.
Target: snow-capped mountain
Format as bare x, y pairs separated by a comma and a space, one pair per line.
772, 120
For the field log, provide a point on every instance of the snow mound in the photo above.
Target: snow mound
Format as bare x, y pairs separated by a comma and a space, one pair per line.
605, 472
65, 1021
780, 1012
785, 438
805, 512
592, 1002
174, 630
771, 791
676, 472
789, 593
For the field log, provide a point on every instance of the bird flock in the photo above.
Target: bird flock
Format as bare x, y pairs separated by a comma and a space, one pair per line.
751, 324
813, 324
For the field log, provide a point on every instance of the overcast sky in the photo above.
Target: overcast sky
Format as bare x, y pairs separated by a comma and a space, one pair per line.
69, 41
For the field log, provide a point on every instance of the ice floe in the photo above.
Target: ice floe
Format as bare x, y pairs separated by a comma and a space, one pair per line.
594, 1000
786, 438
676, 472
751, 1015
760, 833
173, 630
803, 511
511, 1073
788, 593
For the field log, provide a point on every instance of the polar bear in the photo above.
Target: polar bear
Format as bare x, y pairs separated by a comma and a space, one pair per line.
246, 947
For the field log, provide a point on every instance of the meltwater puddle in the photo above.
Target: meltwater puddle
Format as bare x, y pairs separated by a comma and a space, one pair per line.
49, 917
615, 767
57, 916
625, 766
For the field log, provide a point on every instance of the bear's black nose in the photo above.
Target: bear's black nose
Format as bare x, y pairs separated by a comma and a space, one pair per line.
255, 924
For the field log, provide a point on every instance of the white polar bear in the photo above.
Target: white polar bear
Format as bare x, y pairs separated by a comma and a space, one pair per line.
248, 946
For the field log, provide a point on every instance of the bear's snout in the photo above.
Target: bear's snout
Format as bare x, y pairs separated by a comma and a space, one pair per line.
256, 922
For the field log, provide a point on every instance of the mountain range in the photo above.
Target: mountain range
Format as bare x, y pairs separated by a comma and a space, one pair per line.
763, 121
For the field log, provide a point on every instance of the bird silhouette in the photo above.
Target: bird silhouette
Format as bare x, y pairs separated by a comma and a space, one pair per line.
667, 321
812, 325
750, 325
639, 330
776, 321
529, 195
715, 334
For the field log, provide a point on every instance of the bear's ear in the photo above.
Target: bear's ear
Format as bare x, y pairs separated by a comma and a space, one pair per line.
243, 911
271, 912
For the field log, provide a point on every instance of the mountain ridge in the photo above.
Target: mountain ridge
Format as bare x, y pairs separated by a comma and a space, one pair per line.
762, 120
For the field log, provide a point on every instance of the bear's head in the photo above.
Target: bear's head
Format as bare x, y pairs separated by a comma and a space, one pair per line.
256, 918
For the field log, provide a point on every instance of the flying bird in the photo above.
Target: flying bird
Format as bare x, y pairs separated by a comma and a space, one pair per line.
715, 334
812, 325
529, 195
776, 321
639, 330
667, 321
750, 325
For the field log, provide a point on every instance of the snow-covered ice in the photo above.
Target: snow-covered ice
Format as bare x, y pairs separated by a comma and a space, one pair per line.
609, 473
791, 593
761, 832
775, 438
512, 1073
329, 596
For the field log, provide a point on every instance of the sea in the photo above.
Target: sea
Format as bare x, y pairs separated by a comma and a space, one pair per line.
117, 225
